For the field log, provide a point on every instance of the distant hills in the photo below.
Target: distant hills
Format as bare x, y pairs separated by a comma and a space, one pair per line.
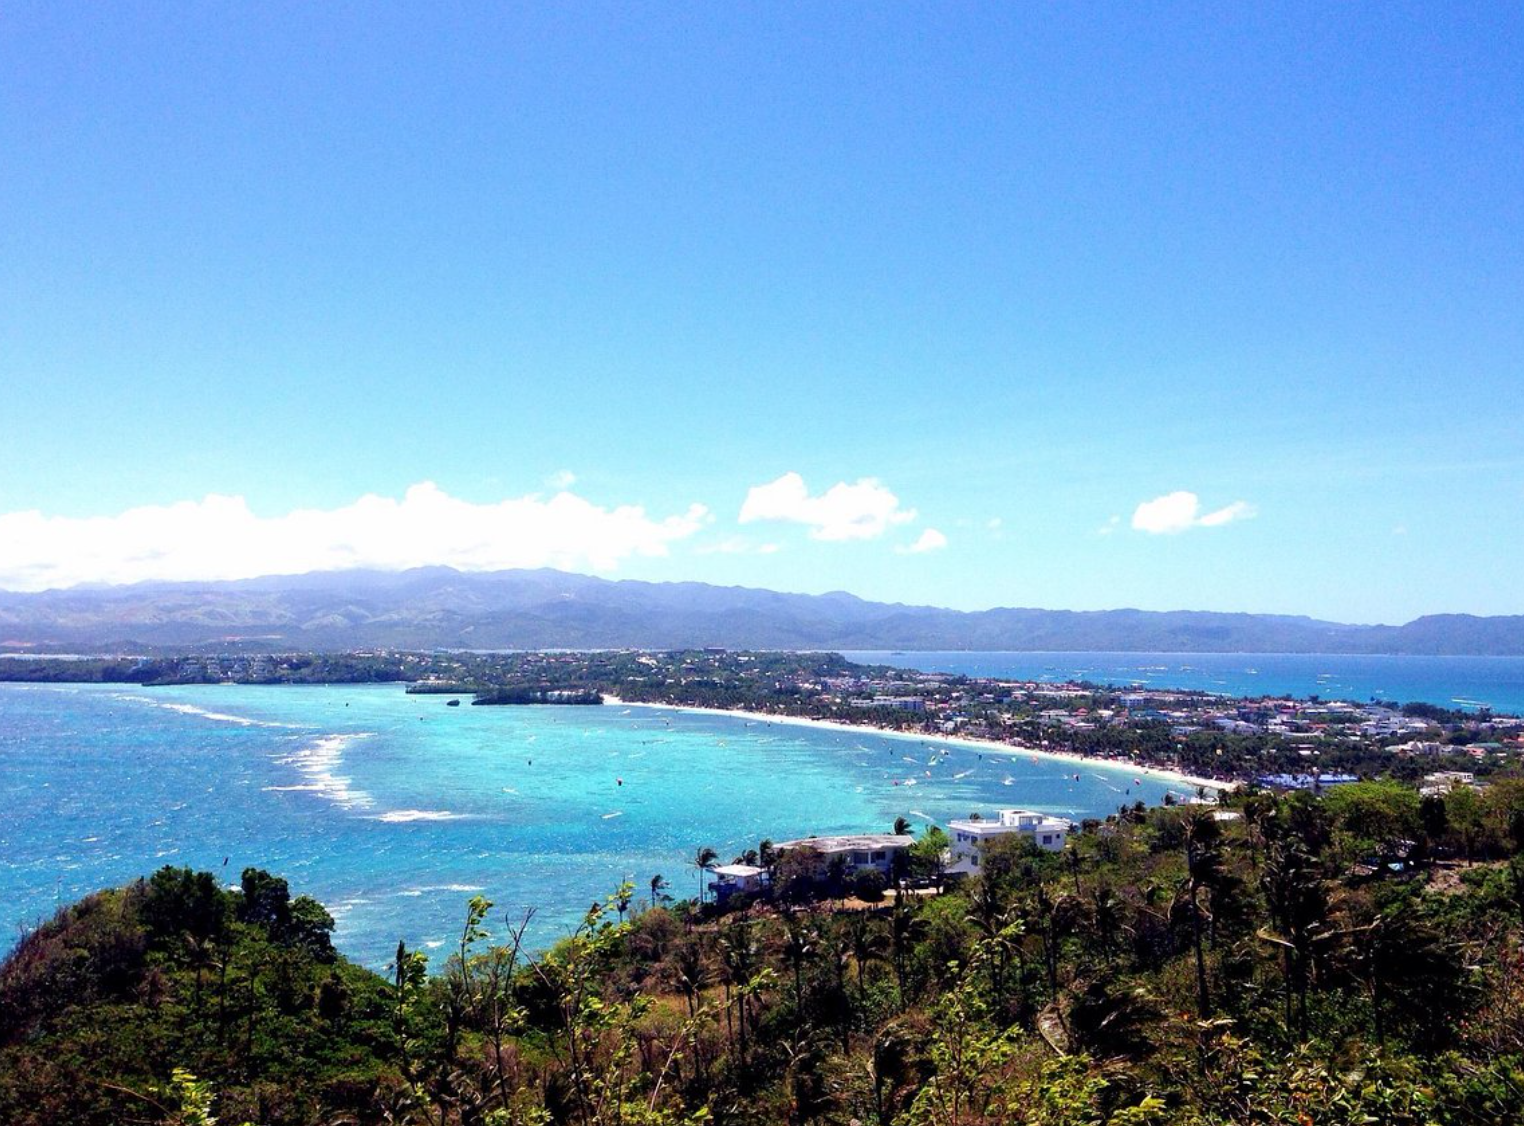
437, 607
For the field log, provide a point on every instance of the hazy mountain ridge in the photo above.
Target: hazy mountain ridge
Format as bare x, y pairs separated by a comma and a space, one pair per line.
438, 607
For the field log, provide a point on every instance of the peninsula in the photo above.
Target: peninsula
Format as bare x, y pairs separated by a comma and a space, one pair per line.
1196, 738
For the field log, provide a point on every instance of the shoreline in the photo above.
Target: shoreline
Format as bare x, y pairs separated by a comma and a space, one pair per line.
1161, 772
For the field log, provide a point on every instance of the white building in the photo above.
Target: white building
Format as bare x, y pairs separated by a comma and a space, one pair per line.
970, 837
729, 879
856, 852
1441, 782
892, 703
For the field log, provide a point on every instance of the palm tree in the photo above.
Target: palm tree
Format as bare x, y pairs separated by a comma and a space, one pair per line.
999, 928
868, 944
1298, 905
905, 928
703, 860
1203, 865
1107, 917
692, 973
1409, 970
901, 827
1112, 1021
836, 947
1050, 917
798, 948
199, 954
659, 886
741, 956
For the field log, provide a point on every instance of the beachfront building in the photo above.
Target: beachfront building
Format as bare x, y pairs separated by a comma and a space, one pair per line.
1315, 782
736, 879
889, 703
969, 838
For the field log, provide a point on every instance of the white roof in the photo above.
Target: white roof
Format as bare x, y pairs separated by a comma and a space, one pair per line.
737, 871
1029, 822
855, 842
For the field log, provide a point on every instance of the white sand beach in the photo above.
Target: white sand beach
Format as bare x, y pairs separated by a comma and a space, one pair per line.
1186, 781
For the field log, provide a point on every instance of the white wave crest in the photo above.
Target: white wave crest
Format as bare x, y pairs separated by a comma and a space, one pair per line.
319, 762
192, 709
398, 816
454, 889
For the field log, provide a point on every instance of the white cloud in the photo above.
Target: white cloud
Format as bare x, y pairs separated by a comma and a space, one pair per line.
1110, 526
861, 511
1238, 510
1178, 511
562, 480
931, 540
220, 538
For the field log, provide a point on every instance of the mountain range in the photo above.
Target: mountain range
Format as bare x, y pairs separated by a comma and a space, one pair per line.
438, 607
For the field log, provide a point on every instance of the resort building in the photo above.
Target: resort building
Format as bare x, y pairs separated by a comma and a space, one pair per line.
857, 852
970, 837
891, 703
733, 879
1314, 782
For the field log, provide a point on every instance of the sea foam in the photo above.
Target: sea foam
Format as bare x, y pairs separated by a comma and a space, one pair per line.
318, 761
204, 713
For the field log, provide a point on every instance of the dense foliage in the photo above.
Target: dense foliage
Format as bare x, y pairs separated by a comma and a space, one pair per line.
242, 989
1348, 959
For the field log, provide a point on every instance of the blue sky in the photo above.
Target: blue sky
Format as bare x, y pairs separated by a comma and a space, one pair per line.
951, 302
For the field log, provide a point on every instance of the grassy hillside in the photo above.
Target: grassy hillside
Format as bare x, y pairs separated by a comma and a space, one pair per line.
1169, 967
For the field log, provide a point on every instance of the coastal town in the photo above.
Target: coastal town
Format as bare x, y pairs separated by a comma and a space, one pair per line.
1207, 738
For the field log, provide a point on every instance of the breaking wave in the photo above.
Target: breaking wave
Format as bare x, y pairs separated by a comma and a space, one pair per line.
319, 762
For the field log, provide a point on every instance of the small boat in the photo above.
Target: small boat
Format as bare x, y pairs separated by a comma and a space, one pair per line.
452, 703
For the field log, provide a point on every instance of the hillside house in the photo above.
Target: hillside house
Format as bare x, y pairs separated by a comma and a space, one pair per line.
969, 838
855, 853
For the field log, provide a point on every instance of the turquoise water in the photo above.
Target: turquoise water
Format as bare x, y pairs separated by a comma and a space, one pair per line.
394, 809
1452, 682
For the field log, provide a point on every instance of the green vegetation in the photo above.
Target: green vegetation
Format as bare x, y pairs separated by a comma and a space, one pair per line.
1277, 965
1195, 732
133, 1004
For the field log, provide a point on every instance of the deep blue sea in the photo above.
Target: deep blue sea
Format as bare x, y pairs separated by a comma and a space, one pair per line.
394, 809
1452, 682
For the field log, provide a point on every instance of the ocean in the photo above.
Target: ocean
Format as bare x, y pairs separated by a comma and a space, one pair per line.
1453, 682
394, 809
